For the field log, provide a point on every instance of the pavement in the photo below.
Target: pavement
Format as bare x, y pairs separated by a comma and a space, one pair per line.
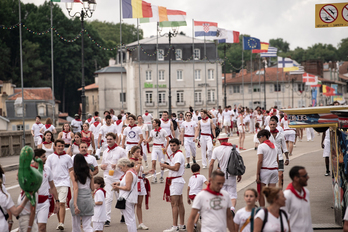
158, 217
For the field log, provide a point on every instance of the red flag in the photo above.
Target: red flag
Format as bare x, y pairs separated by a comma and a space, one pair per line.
306, 77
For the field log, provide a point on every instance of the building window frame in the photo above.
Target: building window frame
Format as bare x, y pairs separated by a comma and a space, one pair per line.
236, 89
161, 97
179, 75
149, 96
160, 75
197, 54
180, 96
178, 54
148, 75
211, 95
210, 74
198, 75
160, 55
198, 96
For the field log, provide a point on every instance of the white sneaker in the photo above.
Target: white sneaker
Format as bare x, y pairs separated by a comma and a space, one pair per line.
60, 226
161, 179
204, 166
182, 227
142, 227
154, 180
172, 229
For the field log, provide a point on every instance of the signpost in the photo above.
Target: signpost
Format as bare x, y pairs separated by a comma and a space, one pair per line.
331, 15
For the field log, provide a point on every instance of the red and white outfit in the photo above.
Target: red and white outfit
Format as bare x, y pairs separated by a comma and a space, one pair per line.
148, 120
196, 184
144, 128
222, 155
90, 121
110, 156
269, 168
94, 128
206, 141
99, 217
279, 142
76, 150
43, 204
76, 123
119, 125
226, 115
166, 125
240, 125
104, 129
259, 118
189, 143
48, 127
132, 134
87, 137
50, 150
67, 139
289, 133
90, 159
159, 142
37, 134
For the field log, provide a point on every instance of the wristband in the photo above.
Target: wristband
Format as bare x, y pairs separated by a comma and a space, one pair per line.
10, 221
29, 227
287, 159
57, 201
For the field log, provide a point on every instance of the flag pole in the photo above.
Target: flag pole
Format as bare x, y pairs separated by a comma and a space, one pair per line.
205, 74
21, 68
121, 53
217, 74
260, 77
52, 67
243, 68
193, 64
277, 84
283, 87
140, 98
251, 78
157, 67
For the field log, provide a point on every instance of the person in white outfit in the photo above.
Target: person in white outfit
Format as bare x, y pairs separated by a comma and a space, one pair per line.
66, 135
145, 130
310, 134
94, 128
35, 131
76, 124
148, 119
167, 125
47, 143
226, 119
188, 128
289, 133
99, 195
104, 130
132, 134
207, 129
48, 127
325, 144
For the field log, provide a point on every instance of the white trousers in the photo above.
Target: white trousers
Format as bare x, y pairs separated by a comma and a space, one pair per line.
97, 153
310, 134
109, 195
190, 147
157, 154
37, 140
144, 148
206, 148
86, 223
23, 222
129, 217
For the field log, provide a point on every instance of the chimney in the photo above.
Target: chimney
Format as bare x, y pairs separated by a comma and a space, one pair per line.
112, 62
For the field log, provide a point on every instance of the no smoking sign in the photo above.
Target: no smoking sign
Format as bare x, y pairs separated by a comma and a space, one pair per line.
345, 12
331, 15
328, 13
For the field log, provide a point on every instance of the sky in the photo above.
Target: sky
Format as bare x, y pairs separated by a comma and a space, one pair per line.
294, 20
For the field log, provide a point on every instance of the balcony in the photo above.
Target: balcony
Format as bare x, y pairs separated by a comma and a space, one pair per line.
162, 104
183, 103
200, 103
150, 104
211, 102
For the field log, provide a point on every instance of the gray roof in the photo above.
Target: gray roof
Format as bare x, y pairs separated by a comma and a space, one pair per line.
111, 69
179, 39
5, 119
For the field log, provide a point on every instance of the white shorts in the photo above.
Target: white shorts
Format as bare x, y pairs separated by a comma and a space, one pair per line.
231, 189
290, 137
98, 226
176, 189
62, 193
23, 223
241, 129
42, 211
157, 154
326, 152
227, 123
220, 120
37, 140
142, 188
269, 176
256, 140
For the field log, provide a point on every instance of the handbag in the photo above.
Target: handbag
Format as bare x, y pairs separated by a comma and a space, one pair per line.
121, 202
5, 215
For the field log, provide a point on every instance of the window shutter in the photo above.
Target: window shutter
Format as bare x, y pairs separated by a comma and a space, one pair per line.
249, 89
14, 128
271, 88
241, 89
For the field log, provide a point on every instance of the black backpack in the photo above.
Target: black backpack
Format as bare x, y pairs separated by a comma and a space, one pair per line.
175, 124
235, 166
254, 211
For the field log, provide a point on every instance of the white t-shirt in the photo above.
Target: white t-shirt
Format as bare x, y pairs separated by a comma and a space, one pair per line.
99, 210
36, 129
132, 134
327, 135
91, 160
112, 157
267, 120
196, 184
6, 203
77, 124
104, 129
144, 128
226, 116
51, 128
189, 127
286, 125
269, 155
160, 138
90, 121
178, 158
240, 218
95, 130
222, 155
194, 117
60, 166
273, 223
147, 119
279, 142
279, 128
119, 127
113, 118
213, 210
167, 126
46, 178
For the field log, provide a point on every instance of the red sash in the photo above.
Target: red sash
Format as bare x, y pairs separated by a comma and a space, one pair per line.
189, 136
42, 199
269, 168
192, 197
208, 135
166, 195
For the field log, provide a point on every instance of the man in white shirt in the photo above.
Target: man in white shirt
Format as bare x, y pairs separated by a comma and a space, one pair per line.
111, 174
118, 123
213, 204
94, 128
61, 165
90, 159
214, 112
104, 129
89, 120
76, 124
226, 119
132, 134
297, 203
325, 144
35, 131
175, 185
148, 119
188, 128
279, 128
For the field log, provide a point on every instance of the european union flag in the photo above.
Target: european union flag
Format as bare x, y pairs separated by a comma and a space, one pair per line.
250, 43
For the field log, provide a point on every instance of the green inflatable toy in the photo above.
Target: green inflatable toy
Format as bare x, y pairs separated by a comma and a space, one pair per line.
29, 178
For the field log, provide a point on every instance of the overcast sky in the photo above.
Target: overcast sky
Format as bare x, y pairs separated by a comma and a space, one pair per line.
294, 20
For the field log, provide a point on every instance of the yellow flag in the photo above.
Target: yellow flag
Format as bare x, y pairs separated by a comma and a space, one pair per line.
288, 69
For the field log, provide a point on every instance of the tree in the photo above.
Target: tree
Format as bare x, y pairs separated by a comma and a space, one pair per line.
343, 49
279, 43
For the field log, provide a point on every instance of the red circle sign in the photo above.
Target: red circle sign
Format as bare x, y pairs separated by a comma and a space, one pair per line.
328, 13
345, 12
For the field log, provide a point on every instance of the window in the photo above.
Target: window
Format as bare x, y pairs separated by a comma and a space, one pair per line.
148, 75
161, 75
211, 95
19, 127
41, 109
178, 54
198, 96
179, 75
123, 97
277, 88
301, 87
236, 89
161, 97
180, 96
160, 55
197, 54
256, 88
230, 89
197, 75
148, 96
210, 74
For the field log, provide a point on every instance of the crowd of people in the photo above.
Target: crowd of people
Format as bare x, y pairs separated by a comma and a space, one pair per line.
122, 142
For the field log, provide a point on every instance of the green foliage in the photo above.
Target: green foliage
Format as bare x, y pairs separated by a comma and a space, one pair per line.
279, 43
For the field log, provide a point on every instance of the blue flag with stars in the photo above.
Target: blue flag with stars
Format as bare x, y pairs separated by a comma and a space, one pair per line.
250, 43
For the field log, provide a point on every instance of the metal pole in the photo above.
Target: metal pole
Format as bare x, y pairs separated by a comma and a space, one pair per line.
217, 74
292, 83
225, 97
242, 68
21, 64
170, 84
283, 88
83, 97
121, 53
264, 84
205, 75
278, 85
260, 77
140, 98
52, 68
193, 65
157, 68
251, 78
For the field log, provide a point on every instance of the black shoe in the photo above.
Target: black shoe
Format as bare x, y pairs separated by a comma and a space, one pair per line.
122, 219
194, 160
327, 173
255, 148
188, 165
107, 223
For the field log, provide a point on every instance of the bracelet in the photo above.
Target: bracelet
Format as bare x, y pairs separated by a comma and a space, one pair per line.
287, 159
10, 221
57, 201
29, 227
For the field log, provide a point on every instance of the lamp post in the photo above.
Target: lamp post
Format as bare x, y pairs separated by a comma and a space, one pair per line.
86, 12
170, 35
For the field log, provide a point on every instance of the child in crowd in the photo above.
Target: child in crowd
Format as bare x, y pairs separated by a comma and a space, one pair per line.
256, 140
242, 218
99, 217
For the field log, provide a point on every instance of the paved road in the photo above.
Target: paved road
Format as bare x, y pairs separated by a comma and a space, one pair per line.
158, 217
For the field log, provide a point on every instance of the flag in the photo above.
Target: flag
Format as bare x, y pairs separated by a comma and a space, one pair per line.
285, 62
250, 43
288, 69
207, 29
66, 1
226, 36
176, 18
300, 69
306, 77
136, 9
159, 14
272, 52
264, 48
328, 91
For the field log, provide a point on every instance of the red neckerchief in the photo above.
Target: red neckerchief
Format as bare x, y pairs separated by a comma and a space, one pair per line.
159, 129
269, 143
205, 118
46, 142
89, 120
226, 144
48, 126
32, 165
60, 154
38, 123
134, 159
96, 123
111, 148
172, 155
285, 117
132, 126
85, 155
196, 174
101, 189
78, 119
118, 122
76, 144
146, 114
274, 131
86, 132
66, 132
293, 190
211, 191
95, 117
165, 120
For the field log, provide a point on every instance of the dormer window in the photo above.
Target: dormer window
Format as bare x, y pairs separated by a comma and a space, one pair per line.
178, 54
41, 109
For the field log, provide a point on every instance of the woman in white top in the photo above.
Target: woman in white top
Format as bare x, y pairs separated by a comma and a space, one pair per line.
242, 217
259, 118
220, 118
128, 190
247, 120
82, 203
48, 127
241, 128
145, 129
277, 219
66, 135
47, 143
74, 148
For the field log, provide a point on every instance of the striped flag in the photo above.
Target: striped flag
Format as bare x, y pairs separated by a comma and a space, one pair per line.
176, 18
159, 14
226, 36
272, 52
264, 48
136, 9
207, 29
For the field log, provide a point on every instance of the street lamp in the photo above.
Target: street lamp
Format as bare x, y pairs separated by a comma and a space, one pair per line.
86, 12
170, 35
